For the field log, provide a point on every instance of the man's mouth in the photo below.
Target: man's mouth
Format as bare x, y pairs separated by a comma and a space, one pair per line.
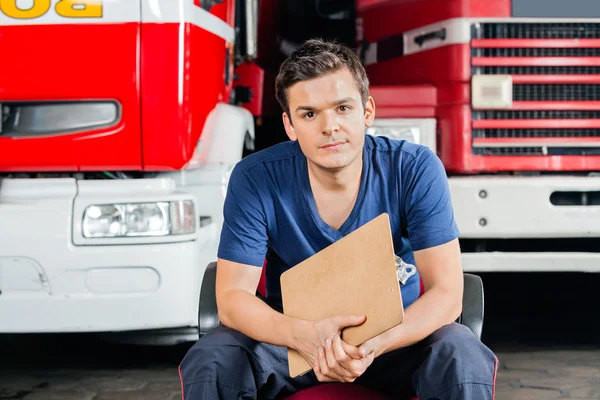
332, 146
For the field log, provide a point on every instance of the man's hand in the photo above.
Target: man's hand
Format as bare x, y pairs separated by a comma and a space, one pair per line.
308, 341
340, 362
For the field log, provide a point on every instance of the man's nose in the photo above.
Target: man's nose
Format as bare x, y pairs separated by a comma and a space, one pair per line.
330, 123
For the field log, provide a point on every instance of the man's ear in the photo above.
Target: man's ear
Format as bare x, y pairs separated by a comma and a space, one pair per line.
289, 128
369, 112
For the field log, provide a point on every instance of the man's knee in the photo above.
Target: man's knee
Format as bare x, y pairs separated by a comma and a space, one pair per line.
216, 357
466, 355
457, 358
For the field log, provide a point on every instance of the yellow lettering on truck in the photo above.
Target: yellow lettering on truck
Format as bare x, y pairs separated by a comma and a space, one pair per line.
39, 8
79, 8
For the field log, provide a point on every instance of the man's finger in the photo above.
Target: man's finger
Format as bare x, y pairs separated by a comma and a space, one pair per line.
351, 351
318, 373
332, 361
329, 356
365, 349
324, 367
339, 352
356, 366
344, 321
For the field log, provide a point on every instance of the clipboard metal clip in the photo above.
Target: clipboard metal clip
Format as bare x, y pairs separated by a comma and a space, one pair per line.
404, 270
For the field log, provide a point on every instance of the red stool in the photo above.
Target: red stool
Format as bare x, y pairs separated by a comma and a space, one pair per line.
337, 391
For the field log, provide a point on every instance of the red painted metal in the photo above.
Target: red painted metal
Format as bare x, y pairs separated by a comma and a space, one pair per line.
405, 112
555, 105
364, 5
536, 141
533, 163
554, 79
104, 66
454, 143
535, 61
251, 76
179, 90
535, 43
498, 8
454, 93
382, 18
417, 101
425, 68
404, 96
536, 124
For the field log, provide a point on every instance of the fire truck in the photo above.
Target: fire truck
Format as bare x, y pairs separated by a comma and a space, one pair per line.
118, 133
507, 92
121, 121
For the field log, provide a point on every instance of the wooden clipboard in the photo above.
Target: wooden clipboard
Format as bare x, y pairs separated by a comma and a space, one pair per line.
354, 276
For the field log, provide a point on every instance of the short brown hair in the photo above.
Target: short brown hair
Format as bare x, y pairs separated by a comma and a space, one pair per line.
313, 59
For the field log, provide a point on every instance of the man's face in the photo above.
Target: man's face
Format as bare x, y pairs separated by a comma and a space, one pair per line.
328, 119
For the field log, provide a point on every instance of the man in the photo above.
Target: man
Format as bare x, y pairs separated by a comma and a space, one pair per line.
290, 201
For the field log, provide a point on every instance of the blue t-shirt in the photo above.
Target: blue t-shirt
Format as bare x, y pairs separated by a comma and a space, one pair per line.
270, 212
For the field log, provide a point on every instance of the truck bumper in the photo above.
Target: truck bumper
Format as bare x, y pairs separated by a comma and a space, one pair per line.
531, 262
48, 284
526, 208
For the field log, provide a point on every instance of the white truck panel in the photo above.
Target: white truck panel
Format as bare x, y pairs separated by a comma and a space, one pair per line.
520, 207
48, 284
531, 262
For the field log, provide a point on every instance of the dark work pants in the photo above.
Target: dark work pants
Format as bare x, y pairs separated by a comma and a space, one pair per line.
450, 364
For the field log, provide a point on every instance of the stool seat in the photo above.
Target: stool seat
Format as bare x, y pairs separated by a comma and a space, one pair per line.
337, 391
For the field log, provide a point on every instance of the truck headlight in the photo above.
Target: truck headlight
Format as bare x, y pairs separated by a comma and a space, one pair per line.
410, 134
491, 92
414, 130
139, 219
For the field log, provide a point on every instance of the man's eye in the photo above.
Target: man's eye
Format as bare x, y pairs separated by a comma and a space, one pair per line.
309, 115
344, 108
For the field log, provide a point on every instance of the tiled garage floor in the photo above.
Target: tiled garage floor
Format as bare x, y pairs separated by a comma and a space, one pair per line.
523, 373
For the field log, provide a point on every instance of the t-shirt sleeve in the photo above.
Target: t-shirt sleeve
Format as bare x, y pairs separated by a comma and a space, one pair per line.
427, 204
244, 234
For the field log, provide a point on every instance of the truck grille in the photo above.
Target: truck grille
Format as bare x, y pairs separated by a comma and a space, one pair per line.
566, 92
532, 133
527, 114
538, 31
555, 68
549, 70
544, 52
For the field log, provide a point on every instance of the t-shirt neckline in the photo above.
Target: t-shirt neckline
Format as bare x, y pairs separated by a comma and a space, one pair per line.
312, 205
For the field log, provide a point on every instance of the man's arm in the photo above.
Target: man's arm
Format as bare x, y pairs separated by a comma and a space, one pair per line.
241, 253
240, 309
441, 304
433, 234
